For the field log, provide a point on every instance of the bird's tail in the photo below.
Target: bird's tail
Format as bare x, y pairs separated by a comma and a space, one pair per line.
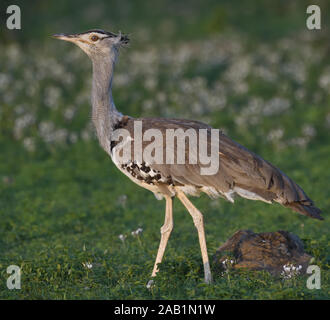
305, 208
292, 196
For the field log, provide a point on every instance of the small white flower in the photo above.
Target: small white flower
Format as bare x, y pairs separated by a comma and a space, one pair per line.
227, 263
136, 232
309, 131
122, 237
87, 265
69, 113
290, 271
29, 144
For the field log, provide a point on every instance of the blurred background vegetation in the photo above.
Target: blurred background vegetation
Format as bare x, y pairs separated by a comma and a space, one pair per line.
168, 20
250, 68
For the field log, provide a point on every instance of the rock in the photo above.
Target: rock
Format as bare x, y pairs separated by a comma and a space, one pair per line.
280, 253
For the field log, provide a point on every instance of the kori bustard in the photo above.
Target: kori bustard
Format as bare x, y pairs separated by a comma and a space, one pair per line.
240, 171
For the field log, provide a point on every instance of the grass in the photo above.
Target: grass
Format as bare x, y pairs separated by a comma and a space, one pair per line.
69, 209
262, 78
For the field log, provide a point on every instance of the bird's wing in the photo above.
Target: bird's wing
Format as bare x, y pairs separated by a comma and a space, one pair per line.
240, 171
252, 173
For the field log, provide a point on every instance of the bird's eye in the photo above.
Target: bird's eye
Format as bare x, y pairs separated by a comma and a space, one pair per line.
94, 38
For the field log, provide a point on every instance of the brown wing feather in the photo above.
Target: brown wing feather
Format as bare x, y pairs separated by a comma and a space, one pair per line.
238, 167
255, 174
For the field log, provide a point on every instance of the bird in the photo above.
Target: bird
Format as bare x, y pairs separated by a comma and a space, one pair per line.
239, 171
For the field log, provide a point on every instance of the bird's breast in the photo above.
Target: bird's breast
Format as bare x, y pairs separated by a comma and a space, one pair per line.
141, 173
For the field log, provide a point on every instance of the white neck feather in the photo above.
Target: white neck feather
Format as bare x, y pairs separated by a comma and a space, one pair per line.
104, 112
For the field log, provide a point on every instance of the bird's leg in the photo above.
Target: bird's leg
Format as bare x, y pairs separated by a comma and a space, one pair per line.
165, 231
199, 224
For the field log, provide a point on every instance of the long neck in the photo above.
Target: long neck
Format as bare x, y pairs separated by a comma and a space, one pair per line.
104, 112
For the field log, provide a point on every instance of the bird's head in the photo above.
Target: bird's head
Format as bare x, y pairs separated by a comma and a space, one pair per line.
95, 43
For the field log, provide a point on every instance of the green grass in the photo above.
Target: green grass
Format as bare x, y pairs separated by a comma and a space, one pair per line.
248, 67
63, 211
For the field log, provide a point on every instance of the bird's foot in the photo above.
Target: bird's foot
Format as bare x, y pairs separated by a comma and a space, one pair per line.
208, 279
207, 273
150, 284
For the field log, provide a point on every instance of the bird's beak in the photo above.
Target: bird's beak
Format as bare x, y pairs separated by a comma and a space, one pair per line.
65, 36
